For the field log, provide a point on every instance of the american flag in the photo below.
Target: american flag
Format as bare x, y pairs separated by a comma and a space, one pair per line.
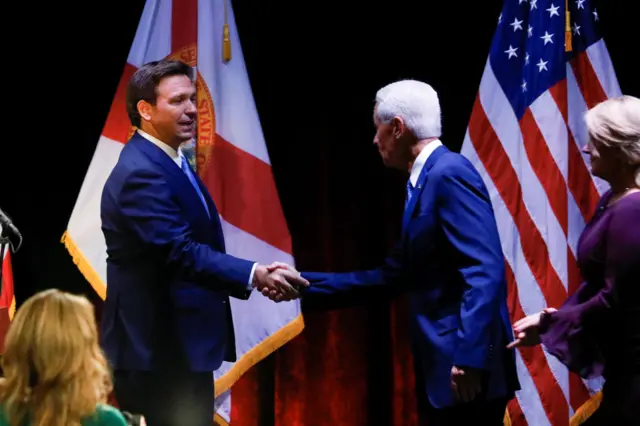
525, 136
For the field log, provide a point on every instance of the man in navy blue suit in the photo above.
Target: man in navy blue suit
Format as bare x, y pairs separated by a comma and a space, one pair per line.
167, 323
450, 260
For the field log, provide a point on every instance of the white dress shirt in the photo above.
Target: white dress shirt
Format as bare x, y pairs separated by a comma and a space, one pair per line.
421, 160
176, 157
172, 153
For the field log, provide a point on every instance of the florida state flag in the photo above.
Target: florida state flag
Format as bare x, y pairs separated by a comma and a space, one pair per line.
229, 154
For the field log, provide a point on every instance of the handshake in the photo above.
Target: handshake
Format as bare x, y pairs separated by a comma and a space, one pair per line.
279, 282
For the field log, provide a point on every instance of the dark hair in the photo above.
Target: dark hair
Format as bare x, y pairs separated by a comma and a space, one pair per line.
143, 83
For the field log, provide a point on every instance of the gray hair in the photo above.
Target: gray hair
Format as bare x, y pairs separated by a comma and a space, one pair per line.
616, 123
413, 101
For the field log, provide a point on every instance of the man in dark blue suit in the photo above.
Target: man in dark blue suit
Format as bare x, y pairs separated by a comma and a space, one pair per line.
450, 260
167, 323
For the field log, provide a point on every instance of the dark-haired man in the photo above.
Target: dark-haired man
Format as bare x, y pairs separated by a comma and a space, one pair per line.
167, 323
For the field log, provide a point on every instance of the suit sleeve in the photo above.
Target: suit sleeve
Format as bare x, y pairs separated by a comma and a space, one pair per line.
469, 224
389, 274
151, 214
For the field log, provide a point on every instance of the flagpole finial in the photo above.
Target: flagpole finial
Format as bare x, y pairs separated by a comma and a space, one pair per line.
226, 38
567, 32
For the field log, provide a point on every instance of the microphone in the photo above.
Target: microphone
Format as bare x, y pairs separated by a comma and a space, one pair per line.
9, 233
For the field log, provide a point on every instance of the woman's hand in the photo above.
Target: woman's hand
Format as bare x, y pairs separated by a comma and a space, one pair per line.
526, 329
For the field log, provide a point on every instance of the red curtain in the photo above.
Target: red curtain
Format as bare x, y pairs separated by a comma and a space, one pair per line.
340, 370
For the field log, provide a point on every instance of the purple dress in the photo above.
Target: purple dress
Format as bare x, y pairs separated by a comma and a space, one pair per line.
597, 329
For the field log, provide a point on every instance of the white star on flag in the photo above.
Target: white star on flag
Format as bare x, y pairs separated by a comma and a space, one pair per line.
533, 4
530, 30
517, 25
526, 59
547, 38
576, 28
595, 15
580, 4
511, 51
553, 10
542, 65
524, 85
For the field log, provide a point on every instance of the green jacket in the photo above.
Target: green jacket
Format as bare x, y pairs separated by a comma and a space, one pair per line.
105, 415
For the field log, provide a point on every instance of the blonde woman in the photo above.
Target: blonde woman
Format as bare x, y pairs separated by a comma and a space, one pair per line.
597, 330
54, 371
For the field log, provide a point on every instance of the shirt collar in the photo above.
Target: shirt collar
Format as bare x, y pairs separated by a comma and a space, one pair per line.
421, 160
163, 146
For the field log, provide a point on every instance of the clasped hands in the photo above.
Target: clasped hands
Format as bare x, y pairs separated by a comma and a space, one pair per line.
279, 281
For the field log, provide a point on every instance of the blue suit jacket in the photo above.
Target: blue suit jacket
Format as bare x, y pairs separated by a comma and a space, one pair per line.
450, 260
168, 277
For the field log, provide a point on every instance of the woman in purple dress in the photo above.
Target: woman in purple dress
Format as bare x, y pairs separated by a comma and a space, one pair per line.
596, 332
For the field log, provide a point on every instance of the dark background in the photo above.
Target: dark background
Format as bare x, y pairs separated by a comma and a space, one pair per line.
314, 68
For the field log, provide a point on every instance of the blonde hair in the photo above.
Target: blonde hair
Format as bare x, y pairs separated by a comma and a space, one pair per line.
54, 370
616, 123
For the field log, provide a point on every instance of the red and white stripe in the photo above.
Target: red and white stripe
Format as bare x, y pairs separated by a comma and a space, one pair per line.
7, 295
543, 195
239, 176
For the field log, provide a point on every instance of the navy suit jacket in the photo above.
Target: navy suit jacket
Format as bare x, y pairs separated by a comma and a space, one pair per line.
450, 260
168, 277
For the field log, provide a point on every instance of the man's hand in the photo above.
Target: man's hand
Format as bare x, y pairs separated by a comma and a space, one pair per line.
278, 281
466, 383
526, 329
281, 265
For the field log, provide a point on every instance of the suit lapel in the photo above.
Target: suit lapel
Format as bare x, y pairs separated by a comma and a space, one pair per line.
159, 157
213, 211
162, 159
420, 184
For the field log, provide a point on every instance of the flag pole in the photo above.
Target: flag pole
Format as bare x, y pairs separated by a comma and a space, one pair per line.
226, 40
567, 31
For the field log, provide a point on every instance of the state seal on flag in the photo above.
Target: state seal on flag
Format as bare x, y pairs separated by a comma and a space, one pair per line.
206, 127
